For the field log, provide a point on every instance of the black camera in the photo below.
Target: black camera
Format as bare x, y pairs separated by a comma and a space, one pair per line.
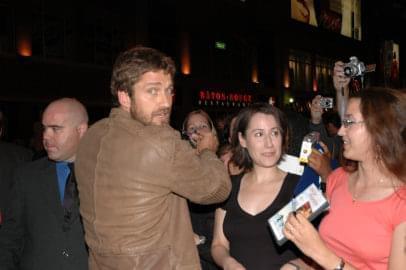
354, 68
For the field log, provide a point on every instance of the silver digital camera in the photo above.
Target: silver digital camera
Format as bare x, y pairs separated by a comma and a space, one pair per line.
354, 68
326, 103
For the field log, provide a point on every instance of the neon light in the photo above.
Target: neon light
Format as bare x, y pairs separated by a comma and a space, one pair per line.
208, 95
220, 45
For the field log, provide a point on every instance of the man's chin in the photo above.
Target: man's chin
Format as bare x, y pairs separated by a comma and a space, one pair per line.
160, 123
53, 157
153, 121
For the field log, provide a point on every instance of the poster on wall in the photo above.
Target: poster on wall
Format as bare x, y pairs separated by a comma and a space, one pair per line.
340, 16
390, 60
303, 11
395, 66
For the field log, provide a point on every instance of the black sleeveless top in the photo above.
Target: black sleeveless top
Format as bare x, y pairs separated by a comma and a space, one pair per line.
251, 240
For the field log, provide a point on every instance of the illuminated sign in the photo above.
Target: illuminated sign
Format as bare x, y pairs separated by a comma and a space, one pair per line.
220, 45
220, 98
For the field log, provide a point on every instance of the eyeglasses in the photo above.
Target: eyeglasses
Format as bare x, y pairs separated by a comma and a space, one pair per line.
349, 122
192, 130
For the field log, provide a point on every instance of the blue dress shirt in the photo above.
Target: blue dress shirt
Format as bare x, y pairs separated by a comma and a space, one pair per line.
62, 171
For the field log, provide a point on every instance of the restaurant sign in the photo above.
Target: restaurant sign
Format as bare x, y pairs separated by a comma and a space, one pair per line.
220, 98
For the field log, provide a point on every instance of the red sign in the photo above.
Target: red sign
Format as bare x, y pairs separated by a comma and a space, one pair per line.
207, 95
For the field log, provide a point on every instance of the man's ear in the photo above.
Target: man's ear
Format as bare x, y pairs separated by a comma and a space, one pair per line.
124, 100
82, 128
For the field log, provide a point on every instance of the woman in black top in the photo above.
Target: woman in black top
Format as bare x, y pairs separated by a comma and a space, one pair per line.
242, 238
202, 216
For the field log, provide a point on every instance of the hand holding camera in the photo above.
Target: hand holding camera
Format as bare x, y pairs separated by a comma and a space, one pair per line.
207, 140
343, 72
354, 68
326, 102
340, 80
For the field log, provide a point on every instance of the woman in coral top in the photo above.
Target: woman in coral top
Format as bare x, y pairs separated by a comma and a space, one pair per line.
366, 224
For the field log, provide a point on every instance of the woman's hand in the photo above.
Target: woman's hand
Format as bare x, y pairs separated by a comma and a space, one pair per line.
320, 162
299, 264
340, 80
301, 232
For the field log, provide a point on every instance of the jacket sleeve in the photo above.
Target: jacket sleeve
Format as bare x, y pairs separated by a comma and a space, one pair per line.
12, 229
202, 179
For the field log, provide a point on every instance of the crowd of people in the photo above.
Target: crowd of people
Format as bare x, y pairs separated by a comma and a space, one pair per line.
131, 192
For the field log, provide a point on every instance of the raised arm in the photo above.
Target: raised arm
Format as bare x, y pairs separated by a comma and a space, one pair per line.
316, 123
341, 85
199, 176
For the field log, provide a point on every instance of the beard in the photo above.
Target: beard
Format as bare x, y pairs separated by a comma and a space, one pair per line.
159, 117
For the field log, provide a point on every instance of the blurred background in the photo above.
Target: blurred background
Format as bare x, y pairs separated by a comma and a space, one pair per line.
229, 53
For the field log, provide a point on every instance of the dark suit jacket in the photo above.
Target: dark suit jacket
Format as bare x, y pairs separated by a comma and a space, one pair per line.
11, 156
33, 235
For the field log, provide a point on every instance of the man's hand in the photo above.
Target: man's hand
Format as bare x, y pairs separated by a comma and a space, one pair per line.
207, 140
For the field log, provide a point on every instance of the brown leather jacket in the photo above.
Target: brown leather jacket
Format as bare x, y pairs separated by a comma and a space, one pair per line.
133, 180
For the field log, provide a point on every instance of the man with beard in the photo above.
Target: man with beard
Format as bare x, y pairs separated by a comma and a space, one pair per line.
135, 173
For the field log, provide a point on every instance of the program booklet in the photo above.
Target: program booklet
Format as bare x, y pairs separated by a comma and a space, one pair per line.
311, 202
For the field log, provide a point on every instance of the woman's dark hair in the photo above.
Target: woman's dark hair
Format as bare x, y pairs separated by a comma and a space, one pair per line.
227, 127
241, 156
224, 149
384, 113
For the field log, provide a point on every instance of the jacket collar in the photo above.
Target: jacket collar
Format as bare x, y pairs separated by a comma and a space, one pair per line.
120, 113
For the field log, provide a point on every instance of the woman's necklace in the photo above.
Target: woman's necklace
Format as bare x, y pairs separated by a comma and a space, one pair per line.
355, 194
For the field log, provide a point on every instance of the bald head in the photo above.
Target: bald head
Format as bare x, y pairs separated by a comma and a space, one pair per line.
64, 122
71, 107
